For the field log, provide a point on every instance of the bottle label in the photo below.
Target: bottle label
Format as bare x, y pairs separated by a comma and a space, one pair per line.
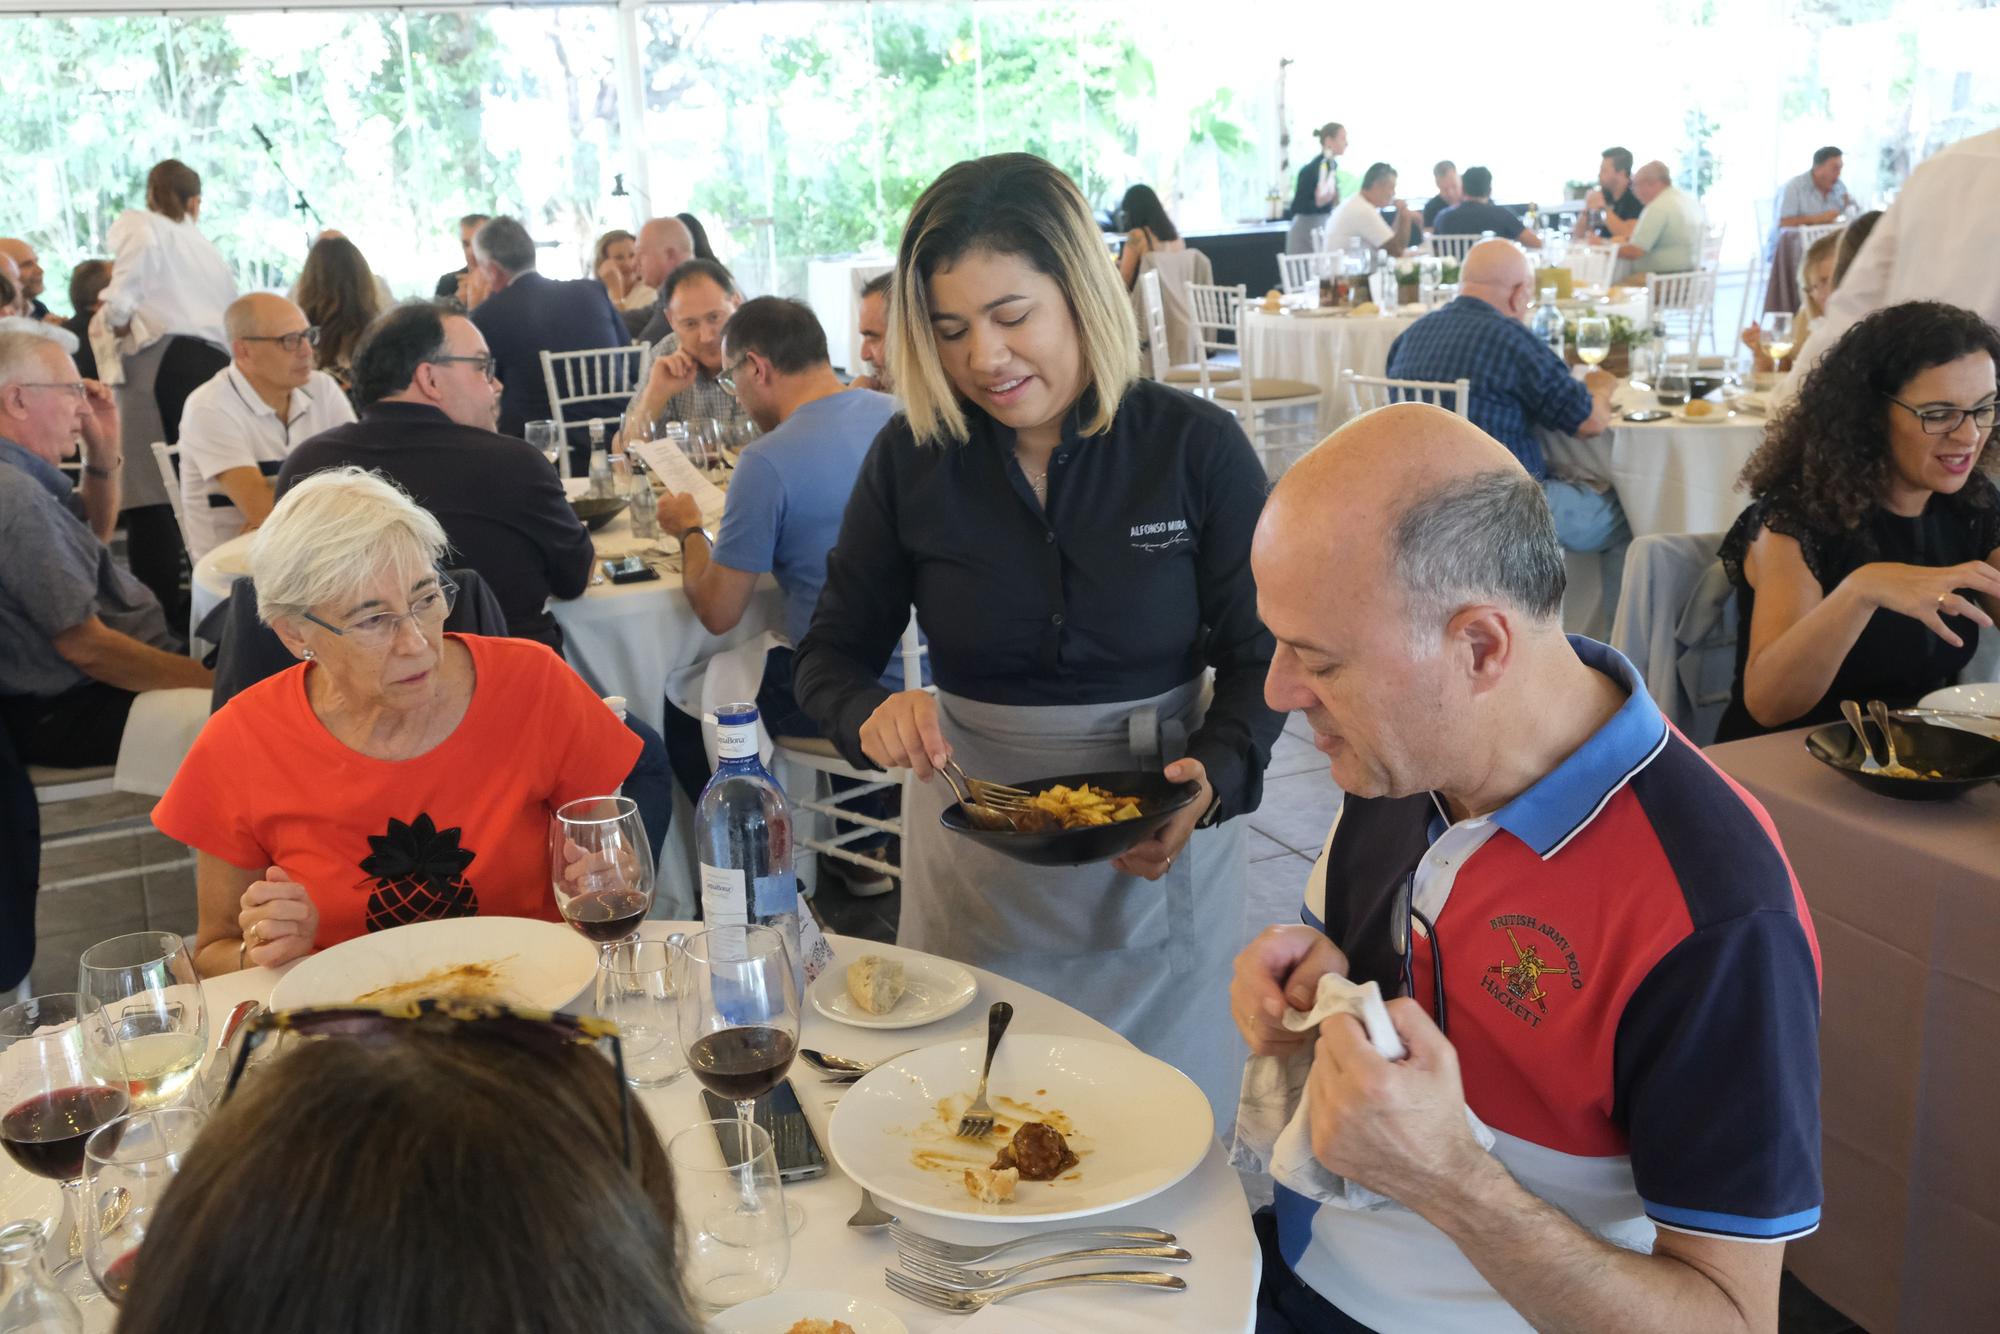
725, 899
736, 741
813, 947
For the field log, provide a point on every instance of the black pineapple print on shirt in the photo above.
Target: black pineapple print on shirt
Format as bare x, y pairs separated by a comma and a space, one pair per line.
419, 873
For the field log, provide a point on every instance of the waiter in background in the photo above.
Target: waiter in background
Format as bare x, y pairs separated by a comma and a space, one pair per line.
1318, 191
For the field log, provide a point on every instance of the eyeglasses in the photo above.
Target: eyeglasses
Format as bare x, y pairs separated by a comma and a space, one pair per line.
376, 633
522, 1027
75, 387
728, 377
1401, 913
482, 363
288, 341
1945, 420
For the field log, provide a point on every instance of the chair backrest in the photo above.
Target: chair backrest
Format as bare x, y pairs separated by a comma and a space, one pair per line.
1319, 238
1711, 245
1365, 393
1153, 324
1216, 312
1677, 624
1300, 273
1809, 235
1683, 302
167, 458
590, 374
1592, 265
1453, 247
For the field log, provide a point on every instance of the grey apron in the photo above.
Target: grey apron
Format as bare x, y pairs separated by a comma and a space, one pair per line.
1148, 958
1299, 240
139, 426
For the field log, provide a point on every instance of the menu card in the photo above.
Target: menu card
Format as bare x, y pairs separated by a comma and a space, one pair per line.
677, 473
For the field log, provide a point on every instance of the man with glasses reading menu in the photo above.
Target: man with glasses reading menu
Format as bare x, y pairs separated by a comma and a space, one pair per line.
238, 427
1596, 943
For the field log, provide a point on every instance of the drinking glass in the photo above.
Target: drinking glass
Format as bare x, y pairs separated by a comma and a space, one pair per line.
1671, 385
150, 996
128, 1166
735, 1242
547, 437
60, 1079
601, 868
705, 442
635, 990
30, 1301
1593, 339
1776, 335
739, 1013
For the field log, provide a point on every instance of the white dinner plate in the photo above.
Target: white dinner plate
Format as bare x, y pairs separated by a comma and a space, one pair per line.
541, 965
776, 1312
938, 988
1138, 1125
1971, 698
1715, 418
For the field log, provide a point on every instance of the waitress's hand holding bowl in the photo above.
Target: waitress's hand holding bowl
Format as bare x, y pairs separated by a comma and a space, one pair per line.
1151, 859
277, 918
903, 733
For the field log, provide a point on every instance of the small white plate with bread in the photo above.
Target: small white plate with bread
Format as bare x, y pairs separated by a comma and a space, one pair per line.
885, 986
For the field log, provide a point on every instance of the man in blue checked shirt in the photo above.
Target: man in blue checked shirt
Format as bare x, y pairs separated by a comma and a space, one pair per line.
1518, 385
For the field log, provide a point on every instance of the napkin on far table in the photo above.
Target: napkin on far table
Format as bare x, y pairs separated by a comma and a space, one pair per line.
1274, 1116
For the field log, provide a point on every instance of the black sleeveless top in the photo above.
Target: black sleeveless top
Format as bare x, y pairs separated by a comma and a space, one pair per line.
1897, 658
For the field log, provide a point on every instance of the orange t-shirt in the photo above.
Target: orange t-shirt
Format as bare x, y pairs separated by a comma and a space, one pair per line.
459, 831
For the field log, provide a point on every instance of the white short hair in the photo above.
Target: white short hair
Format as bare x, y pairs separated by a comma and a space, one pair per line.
333, 534
22, 358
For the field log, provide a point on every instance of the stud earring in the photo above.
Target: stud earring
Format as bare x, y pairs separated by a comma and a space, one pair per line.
308, 655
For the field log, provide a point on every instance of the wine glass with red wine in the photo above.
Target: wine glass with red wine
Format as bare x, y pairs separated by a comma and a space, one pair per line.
601, 866
739, 1015
61, 1078
127, 1167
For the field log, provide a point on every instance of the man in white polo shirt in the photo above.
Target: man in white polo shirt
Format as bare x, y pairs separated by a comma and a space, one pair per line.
237, 428
1362, 215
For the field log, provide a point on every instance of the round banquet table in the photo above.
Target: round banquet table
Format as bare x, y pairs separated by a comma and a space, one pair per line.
1671, 476
1207, 1211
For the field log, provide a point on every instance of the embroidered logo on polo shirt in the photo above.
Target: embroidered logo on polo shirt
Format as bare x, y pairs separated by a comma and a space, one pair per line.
1164, 535
1517, 983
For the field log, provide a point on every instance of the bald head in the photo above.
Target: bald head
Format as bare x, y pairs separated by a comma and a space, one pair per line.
1650, 179
664, 245
27, 265
1497, 272
261, 314
257, 325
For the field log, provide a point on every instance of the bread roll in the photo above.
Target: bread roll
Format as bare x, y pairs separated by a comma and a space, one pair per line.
991, 1185
875, 983
1699, 408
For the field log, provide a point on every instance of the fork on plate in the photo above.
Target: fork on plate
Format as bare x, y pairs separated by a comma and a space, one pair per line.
977, 1123
946, 1299
911, 1242
960, 1278
997, 796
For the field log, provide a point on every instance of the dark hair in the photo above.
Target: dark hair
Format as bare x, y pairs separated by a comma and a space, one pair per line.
8, 293
1828, 454
474, 219
1142, 208
170, 187
1486, 537
696, 268
1621, 159
87, 282
1376, 171
784, 332
1821, 155
879, 285
337, 292
698, 234
1328, 130
507, 243
387, 357
1852, 238
433, 1180
1443, 165
1477, 182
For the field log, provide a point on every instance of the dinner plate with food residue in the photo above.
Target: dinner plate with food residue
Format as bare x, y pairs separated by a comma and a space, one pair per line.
503, 960
782, 1312
1135, 1126
908, 988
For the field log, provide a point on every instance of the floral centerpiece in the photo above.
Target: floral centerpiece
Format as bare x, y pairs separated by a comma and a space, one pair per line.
1406, 275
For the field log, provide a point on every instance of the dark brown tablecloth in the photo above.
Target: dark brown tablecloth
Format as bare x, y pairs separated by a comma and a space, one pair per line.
1905, 897
1782, 291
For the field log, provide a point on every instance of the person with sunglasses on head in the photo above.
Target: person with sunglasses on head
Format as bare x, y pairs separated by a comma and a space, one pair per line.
398, 773
1868, 561
1590, 937
448, 1170
429, 403
238, 428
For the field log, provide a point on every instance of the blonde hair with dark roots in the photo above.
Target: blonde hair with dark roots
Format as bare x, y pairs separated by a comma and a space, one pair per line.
1008, 204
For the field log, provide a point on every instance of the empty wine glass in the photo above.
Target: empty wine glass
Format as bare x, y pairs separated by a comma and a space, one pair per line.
601, 868
146, 987
60, 1079
1593, 339
705, 441
546, 436
128, 1166
635, 991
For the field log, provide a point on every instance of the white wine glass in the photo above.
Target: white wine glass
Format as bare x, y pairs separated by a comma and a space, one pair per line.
1593, 339
145, 987
1776, 335
546, 437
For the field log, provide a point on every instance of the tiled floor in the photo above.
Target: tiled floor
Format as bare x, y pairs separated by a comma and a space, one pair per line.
69, 921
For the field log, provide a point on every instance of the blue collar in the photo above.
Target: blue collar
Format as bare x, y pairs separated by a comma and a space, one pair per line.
47, 474
1568, 797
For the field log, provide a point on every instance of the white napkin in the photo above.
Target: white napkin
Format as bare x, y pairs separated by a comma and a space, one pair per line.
1274, 1115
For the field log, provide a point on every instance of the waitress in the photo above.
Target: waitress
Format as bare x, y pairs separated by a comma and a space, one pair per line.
1076, 543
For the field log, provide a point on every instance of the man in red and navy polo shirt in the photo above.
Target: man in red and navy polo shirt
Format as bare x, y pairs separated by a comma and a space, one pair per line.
1599, 946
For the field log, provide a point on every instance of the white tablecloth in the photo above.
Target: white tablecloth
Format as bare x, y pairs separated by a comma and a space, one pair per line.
1207, 1211
1672, 476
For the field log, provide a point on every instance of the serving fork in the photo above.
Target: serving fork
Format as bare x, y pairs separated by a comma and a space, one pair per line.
911, 1242
994, 796
947, 1299
977, 1123
964, 1279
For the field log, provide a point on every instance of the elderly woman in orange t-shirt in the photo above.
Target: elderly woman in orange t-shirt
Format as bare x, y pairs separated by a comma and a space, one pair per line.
399, 773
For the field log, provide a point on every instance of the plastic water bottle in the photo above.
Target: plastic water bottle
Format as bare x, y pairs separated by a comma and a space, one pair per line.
743, 837
601, 485
639, 499
1547, 323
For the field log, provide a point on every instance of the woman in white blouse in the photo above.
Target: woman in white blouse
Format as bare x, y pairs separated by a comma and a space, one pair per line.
169, 287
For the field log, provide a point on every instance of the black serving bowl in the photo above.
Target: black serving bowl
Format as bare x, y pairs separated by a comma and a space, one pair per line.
596, 511
1701, 386
1964, 759
1159, 800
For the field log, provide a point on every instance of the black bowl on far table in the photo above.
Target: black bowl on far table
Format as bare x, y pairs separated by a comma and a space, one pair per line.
596, 511
1964, 760
1159, 800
